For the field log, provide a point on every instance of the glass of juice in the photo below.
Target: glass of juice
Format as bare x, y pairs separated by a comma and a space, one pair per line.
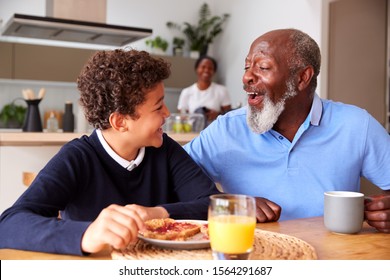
232, 223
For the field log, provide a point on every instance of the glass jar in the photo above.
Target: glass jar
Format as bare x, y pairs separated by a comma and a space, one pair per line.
184, 123
52, 123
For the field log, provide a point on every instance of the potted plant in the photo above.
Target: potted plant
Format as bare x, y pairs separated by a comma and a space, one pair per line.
12, 115
178, 44
203, 33
158, 45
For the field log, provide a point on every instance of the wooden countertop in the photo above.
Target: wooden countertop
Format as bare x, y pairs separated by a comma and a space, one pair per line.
60, 138
365, 245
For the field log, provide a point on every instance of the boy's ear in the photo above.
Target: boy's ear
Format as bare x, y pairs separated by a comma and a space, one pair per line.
118, 121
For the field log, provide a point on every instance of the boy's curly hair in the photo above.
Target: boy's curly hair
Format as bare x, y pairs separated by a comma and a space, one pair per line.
117, 81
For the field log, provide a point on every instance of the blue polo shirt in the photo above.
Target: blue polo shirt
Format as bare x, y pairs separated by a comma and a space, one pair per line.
333, 148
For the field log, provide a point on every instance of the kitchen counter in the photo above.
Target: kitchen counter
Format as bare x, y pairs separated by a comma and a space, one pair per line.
59, 138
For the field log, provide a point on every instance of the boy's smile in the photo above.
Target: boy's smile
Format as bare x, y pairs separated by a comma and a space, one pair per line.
152, 115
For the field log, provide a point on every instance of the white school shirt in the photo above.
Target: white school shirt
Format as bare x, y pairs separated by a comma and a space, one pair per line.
129, 165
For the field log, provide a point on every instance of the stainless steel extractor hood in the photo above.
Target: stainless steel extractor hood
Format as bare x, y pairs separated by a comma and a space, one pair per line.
58, 29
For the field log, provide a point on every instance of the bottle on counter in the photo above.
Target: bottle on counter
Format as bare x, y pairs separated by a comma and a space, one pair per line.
52, 123
68, 118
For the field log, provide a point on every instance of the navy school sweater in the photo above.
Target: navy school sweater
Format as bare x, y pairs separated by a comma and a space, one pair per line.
82, 179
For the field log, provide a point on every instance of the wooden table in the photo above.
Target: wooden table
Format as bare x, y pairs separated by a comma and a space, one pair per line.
366, 245
369, 244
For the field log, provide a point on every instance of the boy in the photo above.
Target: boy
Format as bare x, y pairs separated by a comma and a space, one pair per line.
127, 171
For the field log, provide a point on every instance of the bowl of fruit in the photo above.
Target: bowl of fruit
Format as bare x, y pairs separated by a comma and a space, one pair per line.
184, 123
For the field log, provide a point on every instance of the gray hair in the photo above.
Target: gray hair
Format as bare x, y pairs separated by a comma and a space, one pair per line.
305, 52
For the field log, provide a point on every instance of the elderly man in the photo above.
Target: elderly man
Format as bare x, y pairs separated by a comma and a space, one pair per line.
289, 146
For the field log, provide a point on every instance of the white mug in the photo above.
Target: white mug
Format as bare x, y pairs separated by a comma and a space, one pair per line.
343, 211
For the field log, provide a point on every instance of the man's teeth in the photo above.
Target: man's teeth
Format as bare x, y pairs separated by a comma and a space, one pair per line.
253, 93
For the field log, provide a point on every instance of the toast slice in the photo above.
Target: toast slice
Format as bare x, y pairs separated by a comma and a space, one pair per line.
169, 229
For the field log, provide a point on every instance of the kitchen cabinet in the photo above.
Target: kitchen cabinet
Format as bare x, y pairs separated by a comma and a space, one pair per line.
6, 63
35, 62
182, 71
14, 160
46, 63
60, 64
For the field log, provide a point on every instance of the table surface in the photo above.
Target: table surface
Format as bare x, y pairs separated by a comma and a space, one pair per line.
366, 245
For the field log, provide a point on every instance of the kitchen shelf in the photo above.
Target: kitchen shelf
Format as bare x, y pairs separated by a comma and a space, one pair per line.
59, 139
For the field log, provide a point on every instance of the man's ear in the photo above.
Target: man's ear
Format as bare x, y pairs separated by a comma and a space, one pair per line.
305, 77
118, 122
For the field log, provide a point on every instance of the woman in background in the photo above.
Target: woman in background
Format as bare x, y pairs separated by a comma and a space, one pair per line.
205, 96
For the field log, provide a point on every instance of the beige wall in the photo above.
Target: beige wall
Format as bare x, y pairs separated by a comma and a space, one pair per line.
357, 58
357, 54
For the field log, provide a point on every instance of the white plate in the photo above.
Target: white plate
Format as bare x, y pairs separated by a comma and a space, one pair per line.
195, 242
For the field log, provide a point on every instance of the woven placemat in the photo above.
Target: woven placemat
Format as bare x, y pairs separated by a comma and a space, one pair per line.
267, 246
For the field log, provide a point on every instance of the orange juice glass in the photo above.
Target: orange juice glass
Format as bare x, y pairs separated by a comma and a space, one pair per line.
232, 222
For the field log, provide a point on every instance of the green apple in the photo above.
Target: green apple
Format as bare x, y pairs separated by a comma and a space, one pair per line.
177, 127
187, 127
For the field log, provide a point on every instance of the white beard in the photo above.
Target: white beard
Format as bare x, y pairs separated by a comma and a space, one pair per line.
262, 120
